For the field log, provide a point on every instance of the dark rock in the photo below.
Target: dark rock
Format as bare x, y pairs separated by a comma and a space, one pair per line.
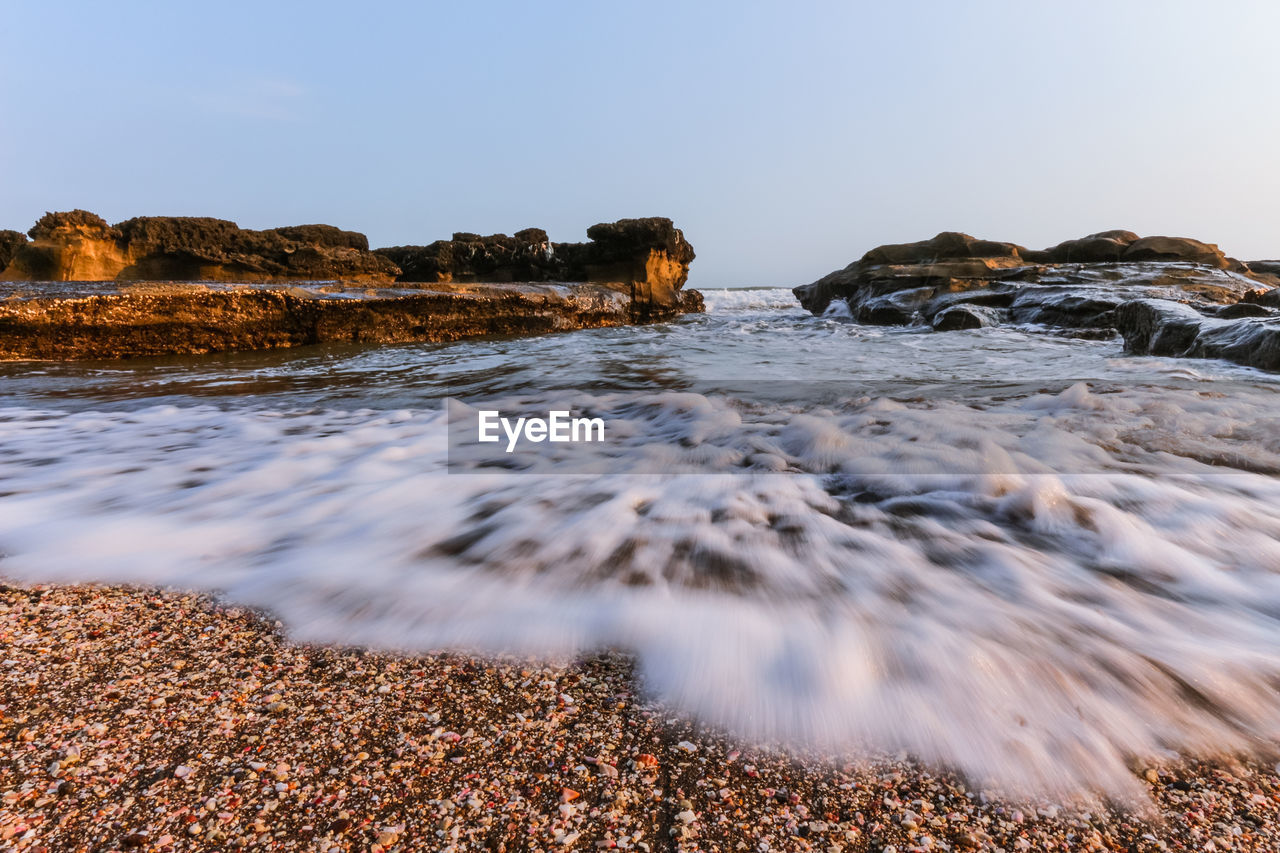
945, 246
691, 302
859, 281
1266, 267
995, 294
532, 236
960, 317
627, 237
816, 297
527, 256
324, 236
884, 311
200, 237
1103, 247
1175, 249
10, 243
53, 224
188, 248
1269, 297
1244, 309
1065, 307
1163, 328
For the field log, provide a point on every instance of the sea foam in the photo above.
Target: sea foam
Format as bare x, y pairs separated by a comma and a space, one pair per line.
1032, 586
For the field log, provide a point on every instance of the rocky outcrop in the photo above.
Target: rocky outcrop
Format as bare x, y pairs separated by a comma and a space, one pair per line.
650, 256
632, 271
109, 320
1164, 328
1077, 284
1166, 295
80, 246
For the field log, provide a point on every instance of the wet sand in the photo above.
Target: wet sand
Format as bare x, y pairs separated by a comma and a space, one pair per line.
145, 720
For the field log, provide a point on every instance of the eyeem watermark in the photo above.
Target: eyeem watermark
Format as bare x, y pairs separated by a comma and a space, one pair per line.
558, 426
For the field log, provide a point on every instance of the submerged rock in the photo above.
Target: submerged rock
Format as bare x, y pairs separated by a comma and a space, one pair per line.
1165, 328
966, 317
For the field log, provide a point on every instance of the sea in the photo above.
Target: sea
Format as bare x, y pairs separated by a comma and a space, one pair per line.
1024, 555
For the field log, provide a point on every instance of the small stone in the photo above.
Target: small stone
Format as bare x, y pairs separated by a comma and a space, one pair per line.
195, 829
181, 771
687, 746
686, 816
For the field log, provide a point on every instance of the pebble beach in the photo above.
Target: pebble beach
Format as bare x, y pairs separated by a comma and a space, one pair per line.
140, 719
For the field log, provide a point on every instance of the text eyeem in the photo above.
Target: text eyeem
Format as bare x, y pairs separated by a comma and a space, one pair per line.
558, 426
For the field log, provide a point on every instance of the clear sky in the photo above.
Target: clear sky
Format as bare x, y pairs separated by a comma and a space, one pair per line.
786, 138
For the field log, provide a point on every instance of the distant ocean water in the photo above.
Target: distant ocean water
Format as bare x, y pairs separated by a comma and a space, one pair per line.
1024, 555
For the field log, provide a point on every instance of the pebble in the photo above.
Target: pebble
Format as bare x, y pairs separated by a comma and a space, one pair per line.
464, 754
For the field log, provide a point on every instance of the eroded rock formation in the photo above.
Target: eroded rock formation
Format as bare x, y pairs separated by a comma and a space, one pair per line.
650, 255
954, 281
631, 271
80, 246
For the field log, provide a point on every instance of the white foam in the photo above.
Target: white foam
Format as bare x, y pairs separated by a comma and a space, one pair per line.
1032, 589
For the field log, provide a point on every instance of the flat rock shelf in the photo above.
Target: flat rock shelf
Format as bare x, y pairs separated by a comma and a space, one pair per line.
107, 320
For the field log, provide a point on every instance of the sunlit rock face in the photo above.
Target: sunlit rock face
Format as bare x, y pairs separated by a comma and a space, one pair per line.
80, 246
69, 246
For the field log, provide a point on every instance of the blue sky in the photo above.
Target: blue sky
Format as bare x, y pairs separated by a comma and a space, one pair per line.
785, 138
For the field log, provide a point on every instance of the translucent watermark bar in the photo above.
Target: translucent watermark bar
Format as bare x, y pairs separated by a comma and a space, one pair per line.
868, 428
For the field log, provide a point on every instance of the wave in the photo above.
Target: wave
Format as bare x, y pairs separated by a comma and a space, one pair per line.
1033, 587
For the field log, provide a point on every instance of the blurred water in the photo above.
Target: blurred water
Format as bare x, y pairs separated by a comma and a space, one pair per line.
1028, 556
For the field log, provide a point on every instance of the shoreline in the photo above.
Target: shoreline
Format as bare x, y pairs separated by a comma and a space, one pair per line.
159, 720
